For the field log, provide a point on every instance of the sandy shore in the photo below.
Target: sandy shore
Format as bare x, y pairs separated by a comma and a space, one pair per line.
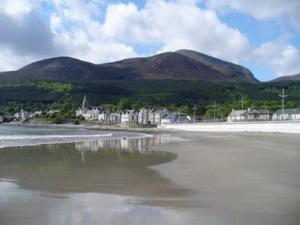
241, 179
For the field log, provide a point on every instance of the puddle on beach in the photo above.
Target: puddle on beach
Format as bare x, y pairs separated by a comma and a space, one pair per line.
84, 183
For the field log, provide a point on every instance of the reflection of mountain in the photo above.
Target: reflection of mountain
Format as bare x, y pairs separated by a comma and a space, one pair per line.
62, 168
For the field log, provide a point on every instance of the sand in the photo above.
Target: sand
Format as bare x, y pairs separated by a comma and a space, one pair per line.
248, 179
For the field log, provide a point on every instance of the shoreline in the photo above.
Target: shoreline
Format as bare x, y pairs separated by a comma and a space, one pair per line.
274, 127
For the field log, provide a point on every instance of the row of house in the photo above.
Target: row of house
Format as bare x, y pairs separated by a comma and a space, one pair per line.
142, 117
264, 115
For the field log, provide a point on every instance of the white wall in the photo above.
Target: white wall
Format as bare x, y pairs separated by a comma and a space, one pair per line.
271, 127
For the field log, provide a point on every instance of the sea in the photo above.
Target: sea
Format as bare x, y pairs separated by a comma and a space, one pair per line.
26, 135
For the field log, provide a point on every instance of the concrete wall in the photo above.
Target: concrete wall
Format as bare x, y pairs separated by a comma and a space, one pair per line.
270, 127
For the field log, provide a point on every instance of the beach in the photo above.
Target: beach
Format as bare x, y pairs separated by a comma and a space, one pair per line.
163, 178
238, 178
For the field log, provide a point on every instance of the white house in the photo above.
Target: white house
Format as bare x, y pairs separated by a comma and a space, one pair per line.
237, 115
125, 118
103, 116
91, 114
296, 114
143, 116
22, 115
249, 115
171, 118
287, 114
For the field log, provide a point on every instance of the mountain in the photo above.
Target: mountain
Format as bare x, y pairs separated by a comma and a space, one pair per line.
180, 65
230, 70
289, 78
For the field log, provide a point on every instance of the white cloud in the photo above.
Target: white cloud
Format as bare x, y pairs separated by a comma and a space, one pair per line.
280, 55
97, 31
76, 27
11, 61
174, 25
17, 8
262, 9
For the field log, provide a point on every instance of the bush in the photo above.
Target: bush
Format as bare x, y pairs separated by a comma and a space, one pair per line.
76, 122
57, 120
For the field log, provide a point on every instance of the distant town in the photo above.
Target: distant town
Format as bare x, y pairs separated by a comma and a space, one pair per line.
152, 117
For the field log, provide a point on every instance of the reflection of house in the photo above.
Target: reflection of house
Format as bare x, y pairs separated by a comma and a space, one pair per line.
287, 114
128, 144
250, 115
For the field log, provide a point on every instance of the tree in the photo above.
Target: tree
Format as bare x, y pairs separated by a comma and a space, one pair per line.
124, 103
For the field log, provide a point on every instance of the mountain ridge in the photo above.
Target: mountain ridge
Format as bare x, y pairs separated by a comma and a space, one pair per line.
178, 65
288, 78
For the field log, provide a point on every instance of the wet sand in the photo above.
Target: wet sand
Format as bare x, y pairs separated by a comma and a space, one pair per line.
242, 179
194, 178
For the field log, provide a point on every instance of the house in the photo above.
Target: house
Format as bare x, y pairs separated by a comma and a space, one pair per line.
237, 115
103, 116
258, 115
1, 119
170, 118
129, 117
158, 115
287, 114
143, 116
114, 118
250, 115
91, 114
296, 114
22, 115
125, 118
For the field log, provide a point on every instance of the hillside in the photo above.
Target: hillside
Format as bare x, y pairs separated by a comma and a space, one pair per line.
289, 78
230, 70
181, 65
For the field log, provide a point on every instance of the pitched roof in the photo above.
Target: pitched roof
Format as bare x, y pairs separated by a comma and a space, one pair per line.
288, 111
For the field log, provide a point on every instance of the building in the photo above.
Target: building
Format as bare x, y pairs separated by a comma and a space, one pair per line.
91, 114
143, 116
287, 114
237, 115
249, 115
1, 119
129, 117
114, 118
171, 118
22, 115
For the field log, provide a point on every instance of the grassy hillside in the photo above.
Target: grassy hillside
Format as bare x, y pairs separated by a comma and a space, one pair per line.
171, 94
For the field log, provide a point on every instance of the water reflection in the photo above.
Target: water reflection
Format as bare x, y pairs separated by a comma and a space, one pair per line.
105, 166
31, 208
130, 144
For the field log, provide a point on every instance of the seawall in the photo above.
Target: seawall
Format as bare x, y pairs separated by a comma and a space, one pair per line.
269, 127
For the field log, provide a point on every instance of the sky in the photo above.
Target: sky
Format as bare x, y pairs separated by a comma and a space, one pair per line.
263, 35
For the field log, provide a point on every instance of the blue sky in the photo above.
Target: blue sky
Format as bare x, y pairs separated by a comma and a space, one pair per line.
262, 35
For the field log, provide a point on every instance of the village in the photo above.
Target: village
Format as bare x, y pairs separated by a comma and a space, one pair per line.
152, 117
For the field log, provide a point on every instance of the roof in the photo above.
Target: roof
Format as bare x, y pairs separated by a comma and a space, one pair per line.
238, 112
288, 111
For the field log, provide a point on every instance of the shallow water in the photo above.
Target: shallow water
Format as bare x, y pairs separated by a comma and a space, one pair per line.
87, 182
20, 135
211, 179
